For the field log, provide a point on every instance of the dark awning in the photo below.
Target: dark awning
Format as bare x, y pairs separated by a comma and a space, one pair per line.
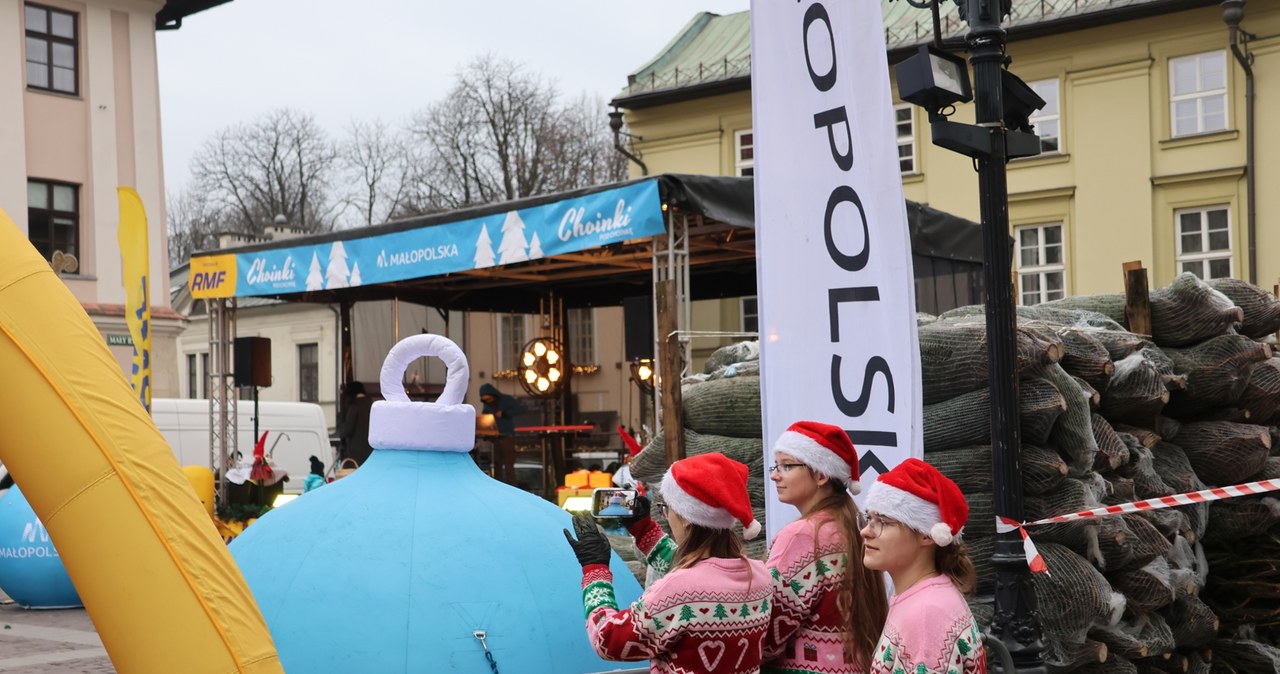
718, 212
174, 11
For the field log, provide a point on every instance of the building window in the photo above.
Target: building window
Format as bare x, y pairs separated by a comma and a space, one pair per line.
511, 339
743, 153
1204, 241
193, 377
904, 120
53, 218
1041, 270
52, 45
309, 373
206, 377
750, 314
1047, 120
1198, 93
197, 375
582, 336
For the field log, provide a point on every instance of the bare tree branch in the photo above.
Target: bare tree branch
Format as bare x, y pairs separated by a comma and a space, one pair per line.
503, 134
376, 167
283, 163
194, 223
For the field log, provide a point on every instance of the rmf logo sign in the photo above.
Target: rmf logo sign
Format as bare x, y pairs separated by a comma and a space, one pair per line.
213, 276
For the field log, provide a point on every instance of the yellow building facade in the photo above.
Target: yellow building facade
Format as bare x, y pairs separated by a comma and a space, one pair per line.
1144, 131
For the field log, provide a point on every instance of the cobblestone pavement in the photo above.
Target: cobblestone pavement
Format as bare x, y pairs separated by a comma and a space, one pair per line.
59, 641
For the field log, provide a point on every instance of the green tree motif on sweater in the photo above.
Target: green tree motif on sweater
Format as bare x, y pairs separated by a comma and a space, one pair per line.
686, 613
720, 612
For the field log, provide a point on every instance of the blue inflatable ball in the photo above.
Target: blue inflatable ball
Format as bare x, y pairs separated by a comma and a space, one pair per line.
419, 562
31, 572
397, 567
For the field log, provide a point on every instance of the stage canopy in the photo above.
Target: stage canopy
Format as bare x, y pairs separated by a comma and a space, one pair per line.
590, 247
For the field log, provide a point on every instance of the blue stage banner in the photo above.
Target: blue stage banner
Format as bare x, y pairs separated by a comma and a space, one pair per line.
591, 221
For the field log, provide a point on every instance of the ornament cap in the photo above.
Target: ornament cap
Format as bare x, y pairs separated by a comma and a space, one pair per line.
446, 425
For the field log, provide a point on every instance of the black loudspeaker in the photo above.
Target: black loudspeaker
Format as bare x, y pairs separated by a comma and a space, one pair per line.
253, 361
637, 325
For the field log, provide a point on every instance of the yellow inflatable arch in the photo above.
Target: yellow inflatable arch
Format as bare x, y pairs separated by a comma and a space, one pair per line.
163, 592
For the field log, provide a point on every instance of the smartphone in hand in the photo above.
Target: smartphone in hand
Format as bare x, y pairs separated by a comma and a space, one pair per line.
612, 503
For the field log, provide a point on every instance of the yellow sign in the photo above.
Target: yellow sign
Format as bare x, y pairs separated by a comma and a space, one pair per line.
137, 291
213, 276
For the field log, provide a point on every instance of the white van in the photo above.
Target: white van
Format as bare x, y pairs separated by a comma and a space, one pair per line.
295, 432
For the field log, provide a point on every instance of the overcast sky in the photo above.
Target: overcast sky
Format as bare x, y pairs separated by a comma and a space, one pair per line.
388, 58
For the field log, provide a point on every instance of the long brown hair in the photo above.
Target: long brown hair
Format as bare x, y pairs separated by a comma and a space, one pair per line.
703, 543
863, 600
953, 561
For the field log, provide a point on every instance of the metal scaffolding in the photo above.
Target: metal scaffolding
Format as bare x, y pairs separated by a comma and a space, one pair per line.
671, 319
223, 420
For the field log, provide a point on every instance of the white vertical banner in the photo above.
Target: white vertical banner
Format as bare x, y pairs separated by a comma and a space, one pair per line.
833, 254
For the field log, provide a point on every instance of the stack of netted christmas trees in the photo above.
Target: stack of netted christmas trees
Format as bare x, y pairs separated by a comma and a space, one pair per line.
1107, 416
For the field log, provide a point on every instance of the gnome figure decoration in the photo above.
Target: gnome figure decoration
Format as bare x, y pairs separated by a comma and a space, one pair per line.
419, 562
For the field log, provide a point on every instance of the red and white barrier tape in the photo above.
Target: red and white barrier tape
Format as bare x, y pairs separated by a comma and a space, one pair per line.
1036, 562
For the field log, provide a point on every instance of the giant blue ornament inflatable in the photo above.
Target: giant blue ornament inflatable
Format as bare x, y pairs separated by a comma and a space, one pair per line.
31, 572
418, 561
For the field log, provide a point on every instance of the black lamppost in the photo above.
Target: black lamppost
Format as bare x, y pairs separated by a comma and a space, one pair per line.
1002, 103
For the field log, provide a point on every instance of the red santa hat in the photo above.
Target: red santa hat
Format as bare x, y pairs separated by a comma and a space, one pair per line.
922, 498
824, 448
710, 490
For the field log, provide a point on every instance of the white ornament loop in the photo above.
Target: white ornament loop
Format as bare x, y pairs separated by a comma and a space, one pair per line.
446, 425
412, 348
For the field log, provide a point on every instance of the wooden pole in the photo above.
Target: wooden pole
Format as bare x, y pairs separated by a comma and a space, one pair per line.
669, 358
1137, 299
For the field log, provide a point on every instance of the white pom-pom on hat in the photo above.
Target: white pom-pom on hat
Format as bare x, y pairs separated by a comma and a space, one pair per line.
922, 498
824, 448
941, 534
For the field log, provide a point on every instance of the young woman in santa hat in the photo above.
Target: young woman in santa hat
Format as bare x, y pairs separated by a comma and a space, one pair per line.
912, 531
710, 612
829, 608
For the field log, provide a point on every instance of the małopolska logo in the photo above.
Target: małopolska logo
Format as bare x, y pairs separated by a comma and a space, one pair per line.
416, 255
36, 540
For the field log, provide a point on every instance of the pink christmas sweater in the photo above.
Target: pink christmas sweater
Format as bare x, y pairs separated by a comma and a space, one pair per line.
710, 618
808, 564
929, 631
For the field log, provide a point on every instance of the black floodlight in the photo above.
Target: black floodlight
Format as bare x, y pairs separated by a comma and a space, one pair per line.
933, 79
1020, 102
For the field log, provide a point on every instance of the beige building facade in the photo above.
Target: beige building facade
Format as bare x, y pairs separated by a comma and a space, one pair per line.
81, 118
1144, 134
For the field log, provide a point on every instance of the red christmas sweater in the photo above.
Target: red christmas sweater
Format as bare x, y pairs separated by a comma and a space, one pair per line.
709, 618
808, 563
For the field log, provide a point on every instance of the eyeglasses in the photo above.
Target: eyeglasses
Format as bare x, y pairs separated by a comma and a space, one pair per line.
875, 523
783, 467
662, 509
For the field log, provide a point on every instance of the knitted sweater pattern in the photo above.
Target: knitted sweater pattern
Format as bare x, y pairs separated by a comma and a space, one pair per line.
709, 618
929, 631
807, 634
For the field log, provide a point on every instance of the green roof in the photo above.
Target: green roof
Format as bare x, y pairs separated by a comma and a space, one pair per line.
709, 48
715, 50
